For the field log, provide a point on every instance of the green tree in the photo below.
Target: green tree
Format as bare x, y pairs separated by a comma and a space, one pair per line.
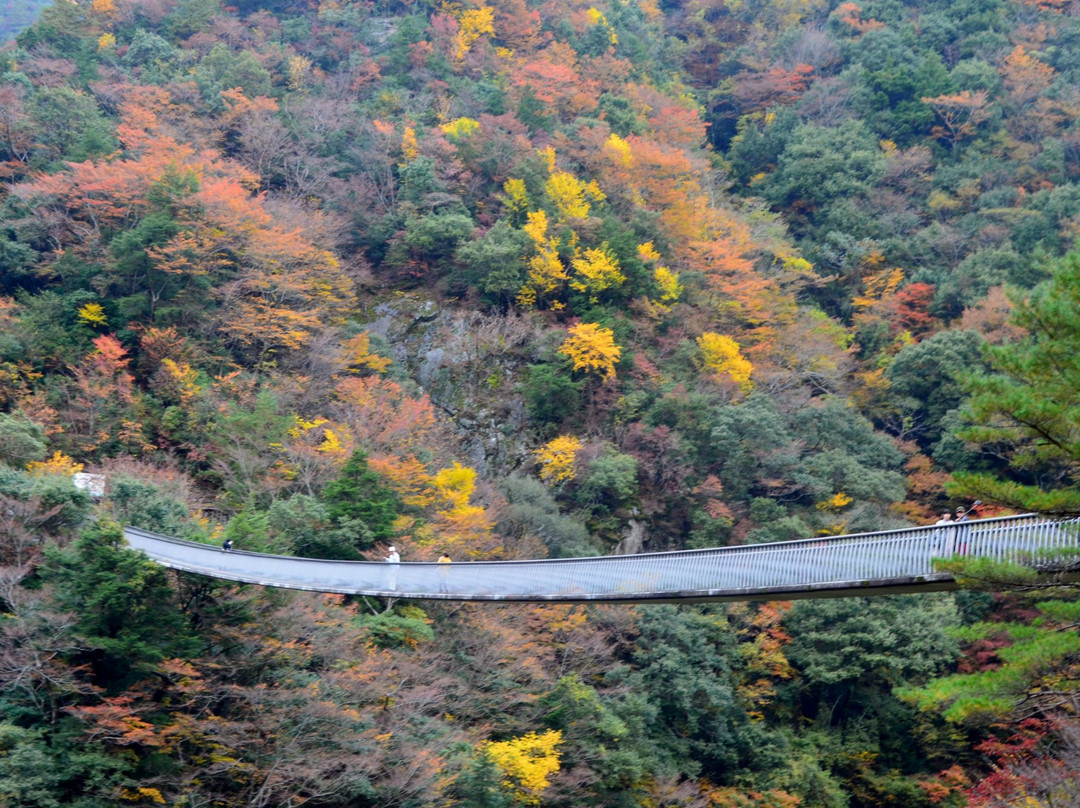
21, 440
69, 124
820, 165
60, 506
358, 494
551, 394
610, 482
682, 670
303, 526
402, 627
480, 784
599, 747
1034, 666
845, 455
247, 530
47, 331
432, 237
1024, 408
926, 378
191, 16
142, 504
851, 652
137, 285
494, 261
38, 770
752, 443
123, 606
1028, 406
531, 510
151, 53
241, 436
222, 69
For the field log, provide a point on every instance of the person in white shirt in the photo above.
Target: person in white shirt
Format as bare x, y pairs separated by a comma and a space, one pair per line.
392, 557
949, 543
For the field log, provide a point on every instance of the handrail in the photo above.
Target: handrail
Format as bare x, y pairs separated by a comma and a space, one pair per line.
835, 566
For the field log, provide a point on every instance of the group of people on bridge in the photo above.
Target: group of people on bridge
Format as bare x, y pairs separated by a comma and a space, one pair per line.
954, 539
394, 557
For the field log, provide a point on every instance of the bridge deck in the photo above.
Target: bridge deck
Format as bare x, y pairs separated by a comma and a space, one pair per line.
842, 566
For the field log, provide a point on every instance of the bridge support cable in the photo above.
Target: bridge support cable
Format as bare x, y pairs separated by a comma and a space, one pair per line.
887, 562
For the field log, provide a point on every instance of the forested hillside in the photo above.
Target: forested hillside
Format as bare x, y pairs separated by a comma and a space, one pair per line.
16, 15
521, 280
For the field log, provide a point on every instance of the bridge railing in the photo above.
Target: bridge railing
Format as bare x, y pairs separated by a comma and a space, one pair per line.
866, 559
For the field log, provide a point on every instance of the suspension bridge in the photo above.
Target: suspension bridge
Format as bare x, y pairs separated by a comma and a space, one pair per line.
887, 562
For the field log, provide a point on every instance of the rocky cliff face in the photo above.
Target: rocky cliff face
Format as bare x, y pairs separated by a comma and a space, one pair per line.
470, 365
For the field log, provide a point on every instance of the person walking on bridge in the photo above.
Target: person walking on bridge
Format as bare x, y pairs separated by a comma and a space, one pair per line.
444, 573
393, 557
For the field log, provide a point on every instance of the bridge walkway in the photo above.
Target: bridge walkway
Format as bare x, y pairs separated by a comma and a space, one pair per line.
893, 561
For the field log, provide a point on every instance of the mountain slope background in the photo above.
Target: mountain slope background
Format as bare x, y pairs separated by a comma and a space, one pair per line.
505, 281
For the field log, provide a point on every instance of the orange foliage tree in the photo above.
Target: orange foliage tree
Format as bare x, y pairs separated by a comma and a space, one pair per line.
960, 114
100, 406
274, 288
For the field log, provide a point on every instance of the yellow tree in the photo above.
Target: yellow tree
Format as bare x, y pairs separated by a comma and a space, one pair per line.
516, 200
546, 270
667, 281
455, 485
475, 23
591, 347
721, 356
315, 452
668, 284
597, 271
461, 527
620, 149
556, 458
526, 763
59, 465
571, 196
93, 315
460, 128
410, 146
357, 354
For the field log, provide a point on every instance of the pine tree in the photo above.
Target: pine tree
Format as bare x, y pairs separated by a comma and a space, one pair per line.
127, 621
1029, 407
358, 494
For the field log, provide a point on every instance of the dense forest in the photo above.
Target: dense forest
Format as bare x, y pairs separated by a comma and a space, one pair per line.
534, 278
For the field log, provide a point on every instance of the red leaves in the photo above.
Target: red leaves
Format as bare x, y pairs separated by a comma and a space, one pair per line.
1024, 767
910, 309
115, 722
757, 92
982, 655
1028, 734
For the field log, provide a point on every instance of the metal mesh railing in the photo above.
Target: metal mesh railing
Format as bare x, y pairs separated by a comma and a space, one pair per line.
895, 560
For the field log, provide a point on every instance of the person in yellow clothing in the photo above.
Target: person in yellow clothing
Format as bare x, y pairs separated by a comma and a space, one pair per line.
444, 572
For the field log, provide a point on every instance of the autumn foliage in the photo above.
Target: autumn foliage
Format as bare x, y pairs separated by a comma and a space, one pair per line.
520, 279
